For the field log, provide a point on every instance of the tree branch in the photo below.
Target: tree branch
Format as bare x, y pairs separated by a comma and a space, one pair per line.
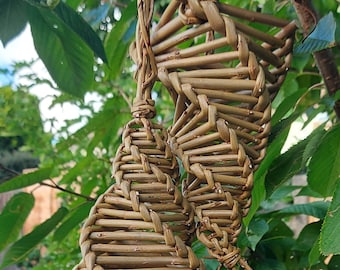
54, 185
4, 168
325, 58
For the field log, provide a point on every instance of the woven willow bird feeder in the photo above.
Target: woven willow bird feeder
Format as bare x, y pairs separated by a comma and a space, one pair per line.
222, 85
142, 221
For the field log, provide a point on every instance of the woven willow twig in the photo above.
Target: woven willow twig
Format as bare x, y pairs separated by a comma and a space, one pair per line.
273, 51
221, 87
142, 221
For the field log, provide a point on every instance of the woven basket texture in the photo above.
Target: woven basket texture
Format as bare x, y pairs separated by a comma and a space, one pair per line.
222, 85
142, 221
237, 67
216, 27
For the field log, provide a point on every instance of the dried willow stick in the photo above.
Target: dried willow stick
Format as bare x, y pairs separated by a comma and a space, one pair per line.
179, 38
251, 15
253, 32
216, 73
168, 13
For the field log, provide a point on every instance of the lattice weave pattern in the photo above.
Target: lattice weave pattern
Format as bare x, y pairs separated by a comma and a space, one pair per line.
142, 221
222, 88
222, 85
228, 66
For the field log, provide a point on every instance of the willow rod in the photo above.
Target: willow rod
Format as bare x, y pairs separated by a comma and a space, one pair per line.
134, 261
251, 15
119, 236
192, 51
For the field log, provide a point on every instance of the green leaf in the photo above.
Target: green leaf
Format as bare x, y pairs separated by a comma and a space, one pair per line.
74, 219
276, 141
13, 19
316, 209
258, 195
202, 253
285, 166
300, 61
278, 229
312, 114
66, 56
307, 237
313, 143
76, 170
74, 3
211, 264
324, 167
26, 180
314, 254
320, 266
118, 40
307, 191
282, 127
276, 244
306, 80
199, 248
81, 27
13, 217
330, 232
255, 231
282, 192
270, 264
20, 249
292, 161
337, 95
286, 105
105, 123
108, 132
259, 191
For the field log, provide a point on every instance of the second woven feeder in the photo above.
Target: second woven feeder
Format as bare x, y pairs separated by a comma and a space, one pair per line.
237, 67
222, 85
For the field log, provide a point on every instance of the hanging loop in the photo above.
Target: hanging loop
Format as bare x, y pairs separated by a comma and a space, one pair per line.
143, 106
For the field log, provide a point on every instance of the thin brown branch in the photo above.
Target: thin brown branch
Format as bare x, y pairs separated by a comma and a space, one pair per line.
328, 69
306, 14
4, 168
54, 185
337, 108
125, 97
